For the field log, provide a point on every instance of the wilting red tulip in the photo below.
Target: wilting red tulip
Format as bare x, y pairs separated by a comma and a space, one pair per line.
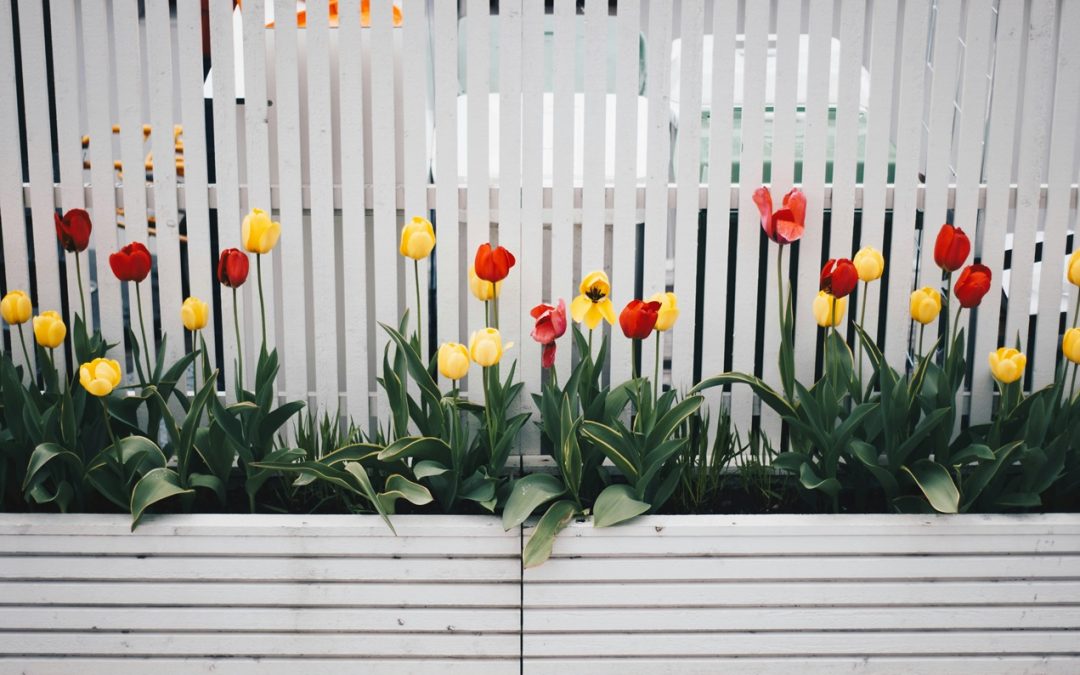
951, 248
73, 230
787, 224
839, 278
638, 319
550, 325
232, 267
131, 263
972, 285
493, 264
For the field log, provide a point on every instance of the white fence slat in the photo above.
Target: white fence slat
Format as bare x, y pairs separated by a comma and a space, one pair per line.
451, 276
1060, 176
717, 240
939, 142
415, 157
1034, 140
751, 162
321, 167
688, 157
40, 168
97, 70
813, 177
908, 148
66, 90
845, 157
201, 263
227, 180
313, 665
293, 280
562, 165
625, 216
166, 216
354, 220
12, 214
478, 179
593, 150
876, 167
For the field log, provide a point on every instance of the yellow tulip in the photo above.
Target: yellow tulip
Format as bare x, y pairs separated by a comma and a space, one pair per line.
194, 313
829, 311
869, 263
258, 233
669, 310
482, 289
1074, 267
49, 329
100, 376
925, 305
1070, 345
486, 346
593, 304
1007, 365
417, 238
16, 307
453, 360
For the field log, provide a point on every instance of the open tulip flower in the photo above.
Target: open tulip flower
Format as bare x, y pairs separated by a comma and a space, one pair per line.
786, 225
100, 376
486, 347
493, 264
869, 263
550, 326
1007, 365
16, 308
453, 360
594, 303
73, 230
951, 249
49, 329
972, 285
839, 278
417, 238
258, 233
131, 263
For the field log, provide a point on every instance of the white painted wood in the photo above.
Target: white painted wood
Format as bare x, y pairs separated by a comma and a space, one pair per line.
271, 666
561, 265
12, 215
780, 665
477, 203
293, 279
688, 158
845, 157
451, 277
593, 218
415, 159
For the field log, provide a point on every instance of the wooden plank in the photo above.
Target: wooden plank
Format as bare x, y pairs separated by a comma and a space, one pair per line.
946, 665
196, 209
354, 219
909, 138
845, 157
1060, 176
593, 150
451, 277
321, 168
290, 179
415, 154
1000, 152
688, 158
166, 214
477, 197
263, 666
625, 215
563, 254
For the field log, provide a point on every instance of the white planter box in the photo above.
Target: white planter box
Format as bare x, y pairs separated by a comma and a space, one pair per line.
663, 594
808, 594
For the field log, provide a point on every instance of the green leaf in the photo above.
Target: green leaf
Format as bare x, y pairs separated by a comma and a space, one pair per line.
416, 446
616, 504
936, 484
527, 494
208, 482
809, 479
157, 485
612, 444
357, 471
426, 468
538, 548
867, 455
972, 452
276, 418
768, 395
400, 487
45, 453
667, 424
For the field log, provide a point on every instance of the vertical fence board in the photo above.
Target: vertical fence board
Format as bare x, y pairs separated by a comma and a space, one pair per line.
477, 204
845, 158
593, 150
562, 163
415, 158
446, 190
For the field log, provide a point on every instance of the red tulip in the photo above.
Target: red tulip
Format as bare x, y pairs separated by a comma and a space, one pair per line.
131, 263
493, 264
839, 277
972, 285
638, 319
73, 230
786, 225
232, 267
550, 325
951, 248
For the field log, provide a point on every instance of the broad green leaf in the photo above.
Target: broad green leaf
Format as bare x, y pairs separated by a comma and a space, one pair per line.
809, 479
616, 504
399, 487
416, 446
527, 494
428, 467
769, 396
868, 455
538, 548
157, 485
613, 445
45, 453
972, 452
208, 482
936, 484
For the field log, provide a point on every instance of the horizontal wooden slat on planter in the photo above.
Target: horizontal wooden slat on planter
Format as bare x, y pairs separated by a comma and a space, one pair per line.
774, 594
214, 590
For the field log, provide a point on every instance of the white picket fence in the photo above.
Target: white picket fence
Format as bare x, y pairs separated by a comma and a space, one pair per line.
561, 136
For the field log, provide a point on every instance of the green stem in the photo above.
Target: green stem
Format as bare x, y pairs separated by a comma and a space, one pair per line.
635, 356
487, 312
948, 295
239, 348
82, 295
956, 326
419, 319
108, 425
656, 368
922, 331
494, 305
780, 287
262, 305
862, 325
1072, 384
195, 363
1076, 311
26, 354
142, 329
590, 342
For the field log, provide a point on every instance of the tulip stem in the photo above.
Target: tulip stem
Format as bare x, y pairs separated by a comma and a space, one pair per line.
922, 331
1076, 312
419, 321
862, 325
26, 354
656, 368
494, 306
635, 357
195, 362
780, 287
108, 425
956, 325
262, 305
142, 329
945, 314
82, 295
239, 349
590, 342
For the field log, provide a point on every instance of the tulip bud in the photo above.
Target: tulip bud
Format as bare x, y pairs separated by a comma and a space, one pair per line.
16, 307
486, 347
49, 329
925, 305
232, 269
1007, 365
1070, 345
453, 360
669, 310
828, 310
493, 264
483, 289
972, 284
194, 313
73, 230
838, 278
417, 239
1074, 268
638, 319
951, 248
131, 263
258, 233
870, 264
100, 376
